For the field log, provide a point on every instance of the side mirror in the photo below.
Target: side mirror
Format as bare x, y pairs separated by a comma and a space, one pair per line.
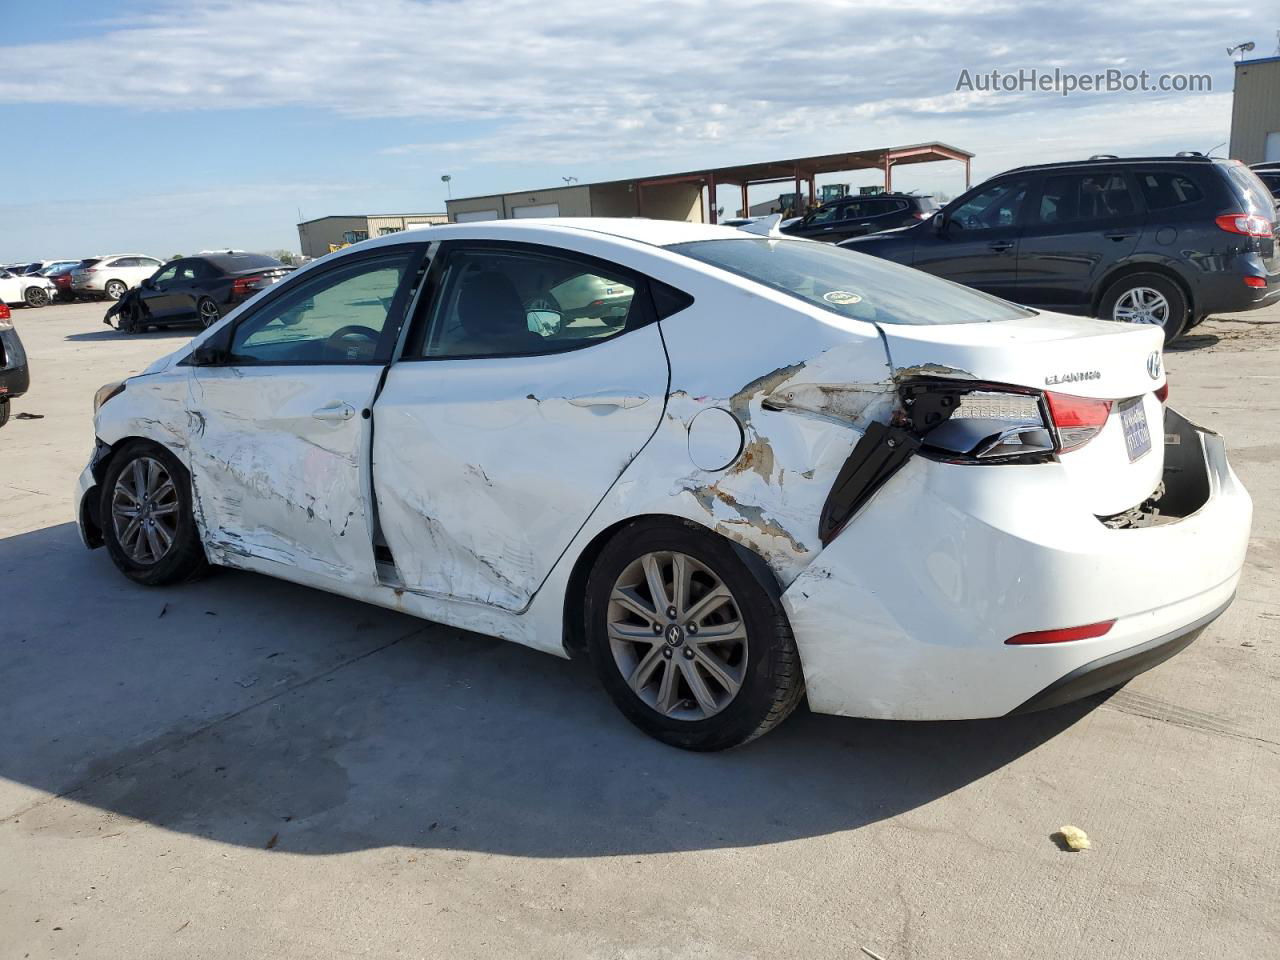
214, 351
148, 284
939, 222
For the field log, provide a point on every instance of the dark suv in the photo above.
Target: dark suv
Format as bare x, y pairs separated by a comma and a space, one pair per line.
858, 216
1161, 240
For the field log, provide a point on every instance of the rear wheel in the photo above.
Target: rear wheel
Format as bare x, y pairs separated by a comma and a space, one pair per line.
147, 519
115, 289
36, 297
208, 312
4, 411
1147, 298
690, 643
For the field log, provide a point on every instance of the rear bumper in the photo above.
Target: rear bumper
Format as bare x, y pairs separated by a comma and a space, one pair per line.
1224, 291
15, 376
905, 615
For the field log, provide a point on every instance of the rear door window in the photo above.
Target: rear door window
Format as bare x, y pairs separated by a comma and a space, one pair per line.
1165, 190
1255, 197
1082, 197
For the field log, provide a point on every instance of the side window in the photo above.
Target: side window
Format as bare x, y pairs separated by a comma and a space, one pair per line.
1163, 190
991, 208
334, 317
124, 262
167, 274
147, 262
495, 302
1076, 197
828, 214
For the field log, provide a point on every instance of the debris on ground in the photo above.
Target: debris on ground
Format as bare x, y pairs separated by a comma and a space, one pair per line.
28, 416
1074, 838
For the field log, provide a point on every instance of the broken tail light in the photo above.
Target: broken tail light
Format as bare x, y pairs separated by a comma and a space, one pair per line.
993, 425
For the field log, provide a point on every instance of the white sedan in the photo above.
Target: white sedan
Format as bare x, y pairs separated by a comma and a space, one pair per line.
31, 291
779, 469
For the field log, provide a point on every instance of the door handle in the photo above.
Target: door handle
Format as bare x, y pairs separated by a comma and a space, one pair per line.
623, 401
334, 410
1118, 236
1000, 246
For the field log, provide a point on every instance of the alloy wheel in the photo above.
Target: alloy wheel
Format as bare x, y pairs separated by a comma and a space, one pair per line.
1142, 305
115, 289
36, 296
208, 313
677, 635
144, 510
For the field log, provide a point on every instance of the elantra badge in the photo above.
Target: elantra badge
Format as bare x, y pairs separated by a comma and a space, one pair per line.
1153, 365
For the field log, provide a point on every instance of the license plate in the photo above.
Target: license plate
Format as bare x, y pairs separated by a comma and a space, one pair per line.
1137, 436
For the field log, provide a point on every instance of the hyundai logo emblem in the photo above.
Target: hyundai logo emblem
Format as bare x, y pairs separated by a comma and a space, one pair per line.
1153, 365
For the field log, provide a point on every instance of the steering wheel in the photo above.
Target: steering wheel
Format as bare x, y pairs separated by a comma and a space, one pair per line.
333, 343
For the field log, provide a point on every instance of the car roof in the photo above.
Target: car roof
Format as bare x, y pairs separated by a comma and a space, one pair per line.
1115, 162
658, 233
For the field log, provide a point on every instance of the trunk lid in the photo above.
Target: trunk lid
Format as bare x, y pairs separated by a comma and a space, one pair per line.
1061, 354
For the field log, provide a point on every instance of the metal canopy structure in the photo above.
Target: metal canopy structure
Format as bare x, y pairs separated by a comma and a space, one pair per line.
805, 170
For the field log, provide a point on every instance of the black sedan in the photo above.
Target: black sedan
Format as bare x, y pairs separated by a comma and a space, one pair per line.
195, 289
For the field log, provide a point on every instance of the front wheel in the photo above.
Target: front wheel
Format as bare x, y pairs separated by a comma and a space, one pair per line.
1147, 298
691, 643
115, 289
36, 297
147, 520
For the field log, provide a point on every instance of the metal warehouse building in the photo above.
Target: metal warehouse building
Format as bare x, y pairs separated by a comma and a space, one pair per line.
691, 195
1255, 111
326, 234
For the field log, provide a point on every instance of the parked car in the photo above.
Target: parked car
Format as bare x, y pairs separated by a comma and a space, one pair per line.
31, 291
1157, 240
111, 276
858, 216
15, 378
60, 277
48, 266
906, 498
199, 289
1269, 174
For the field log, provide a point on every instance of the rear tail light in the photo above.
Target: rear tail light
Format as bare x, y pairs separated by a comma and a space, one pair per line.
4, 311
243, 285
1077, 419
1065, 635
1162, 394
1248, 224
1255, 282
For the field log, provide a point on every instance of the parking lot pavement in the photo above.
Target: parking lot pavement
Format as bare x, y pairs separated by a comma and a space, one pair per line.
245, 768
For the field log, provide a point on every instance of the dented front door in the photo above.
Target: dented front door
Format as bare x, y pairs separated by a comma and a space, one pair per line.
280, 431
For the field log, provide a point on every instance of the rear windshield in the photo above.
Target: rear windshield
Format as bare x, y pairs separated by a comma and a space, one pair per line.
230, 263
851, 284
1251, 191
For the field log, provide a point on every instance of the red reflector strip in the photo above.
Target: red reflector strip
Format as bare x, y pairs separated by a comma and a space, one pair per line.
1255, 281
1064, 635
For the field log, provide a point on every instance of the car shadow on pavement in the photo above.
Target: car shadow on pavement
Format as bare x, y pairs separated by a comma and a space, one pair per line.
161, 333
1193, 341
254, 712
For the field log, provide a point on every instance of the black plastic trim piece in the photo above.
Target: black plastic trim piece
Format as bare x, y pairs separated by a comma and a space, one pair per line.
878, 455
1117, 668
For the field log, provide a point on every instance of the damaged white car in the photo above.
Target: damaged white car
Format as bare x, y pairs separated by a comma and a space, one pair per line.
756, 469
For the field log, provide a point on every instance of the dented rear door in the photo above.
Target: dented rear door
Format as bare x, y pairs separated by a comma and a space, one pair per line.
488, 454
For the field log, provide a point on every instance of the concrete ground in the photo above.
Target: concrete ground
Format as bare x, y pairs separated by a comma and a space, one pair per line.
244, 768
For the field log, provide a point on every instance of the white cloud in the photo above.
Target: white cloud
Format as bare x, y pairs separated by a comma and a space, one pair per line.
559, 81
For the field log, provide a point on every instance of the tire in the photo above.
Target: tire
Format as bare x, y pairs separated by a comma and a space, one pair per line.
4, 412
622, 643
135, 555
208, 312
127, 319
36, 297
115, 289
1124, 300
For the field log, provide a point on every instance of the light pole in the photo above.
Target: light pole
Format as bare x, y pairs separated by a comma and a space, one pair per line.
446, 180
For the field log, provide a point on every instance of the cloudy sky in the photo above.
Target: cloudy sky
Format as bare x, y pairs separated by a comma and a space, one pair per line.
165, 126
